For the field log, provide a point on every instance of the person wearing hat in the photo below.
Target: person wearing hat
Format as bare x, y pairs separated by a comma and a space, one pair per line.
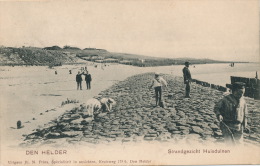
95, 106
106, 104
187, 79
157, 84
232, 113
79, 81
88, 79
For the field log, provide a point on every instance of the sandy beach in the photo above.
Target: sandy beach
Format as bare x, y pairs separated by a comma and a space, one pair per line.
26, 94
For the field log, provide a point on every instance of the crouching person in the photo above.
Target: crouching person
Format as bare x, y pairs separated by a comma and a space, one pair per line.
106, 104
94, 106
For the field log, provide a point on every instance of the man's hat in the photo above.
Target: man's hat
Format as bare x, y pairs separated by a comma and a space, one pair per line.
110, 100
238, 85
187, 63
156, 73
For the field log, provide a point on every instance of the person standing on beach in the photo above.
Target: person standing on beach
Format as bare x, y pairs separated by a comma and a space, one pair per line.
79, 81
187, 79
232, 113
157, 84
88, 80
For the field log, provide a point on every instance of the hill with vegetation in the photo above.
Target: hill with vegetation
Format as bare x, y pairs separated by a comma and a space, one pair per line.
56, 56
49, 56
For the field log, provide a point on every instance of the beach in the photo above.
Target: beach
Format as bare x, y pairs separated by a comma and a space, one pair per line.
30, 92
34, 95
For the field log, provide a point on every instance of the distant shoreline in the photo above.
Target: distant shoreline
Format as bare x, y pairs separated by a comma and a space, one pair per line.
56, 56
83, 63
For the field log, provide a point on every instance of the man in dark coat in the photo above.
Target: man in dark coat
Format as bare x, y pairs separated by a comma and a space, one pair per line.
88, 80
187, 79
232, 113
79, 80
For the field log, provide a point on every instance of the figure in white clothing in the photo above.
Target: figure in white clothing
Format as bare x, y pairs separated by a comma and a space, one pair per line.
157, 83
95, 106
106, 104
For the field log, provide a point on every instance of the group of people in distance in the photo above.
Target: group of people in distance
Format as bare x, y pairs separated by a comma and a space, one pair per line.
79, 80
231, 111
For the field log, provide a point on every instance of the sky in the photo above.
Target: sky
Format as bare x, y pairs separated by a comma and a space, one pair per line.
215, 29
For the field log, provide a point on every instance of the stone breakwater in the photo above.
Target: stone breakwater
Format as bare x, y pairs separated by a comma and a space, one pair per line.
135, 119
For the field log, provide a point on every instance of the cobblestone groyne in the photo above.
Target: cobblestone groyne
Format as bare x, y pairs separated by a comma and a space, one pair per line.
135, 119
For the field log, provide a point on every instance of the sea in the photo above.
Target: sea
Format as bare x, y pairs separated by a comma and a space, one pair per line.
218, 74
